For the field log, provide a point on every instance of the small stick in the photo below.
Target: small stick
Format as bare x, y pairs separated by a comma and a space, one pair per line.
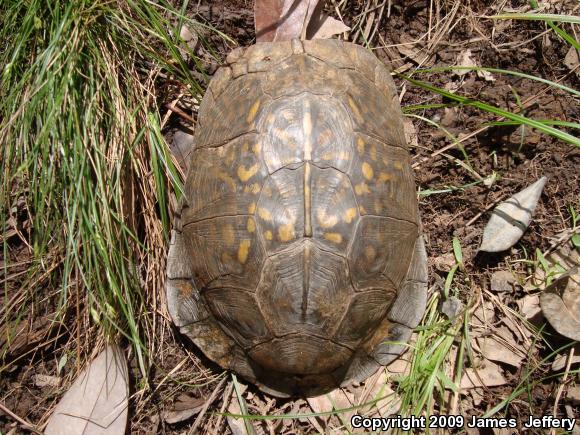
208, 402
562, 383
20, 420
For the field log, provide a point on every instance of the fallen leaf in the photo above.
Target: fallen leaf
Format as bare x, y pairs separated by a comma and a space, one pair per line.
283, 20
464, 59
529, 306
560, 360
46, 381
573, 395
185, 408
501, 347
97, 401
327, 27
511, 218
502, 281
338, 398
411, 136
571, 60
451, 307
560, 304
490, 375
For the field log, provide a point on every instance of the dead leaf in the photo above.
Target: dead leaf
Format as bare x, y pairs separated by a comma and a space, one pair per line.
560, 304
571, 60
411, 135
502, 281
338, 398
529, 306
511, 218
97, 401
573, 395
46, 381
451, 307
501, 347
466, 60
283, 20
184, 408
327, 27
490, 375
561, 359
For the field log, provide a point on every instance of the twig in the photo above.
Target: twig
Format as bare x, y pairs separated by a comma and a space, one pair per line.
562, 384
20, 420
208, 402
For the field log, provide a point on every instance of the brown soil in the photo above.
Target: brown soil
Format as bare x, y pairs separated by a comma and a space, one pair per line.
518, 156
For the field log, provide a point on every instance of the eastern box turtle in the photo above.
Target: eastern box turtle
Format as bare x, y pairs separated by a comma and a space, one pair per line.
296, 260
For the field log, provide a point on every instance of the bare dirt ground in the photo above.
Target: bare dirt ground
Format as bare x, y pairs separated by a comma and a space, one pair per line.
405, 35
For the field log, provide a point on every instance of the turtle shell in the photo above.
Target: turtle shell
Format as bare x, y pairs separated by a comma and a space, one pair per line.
297, 257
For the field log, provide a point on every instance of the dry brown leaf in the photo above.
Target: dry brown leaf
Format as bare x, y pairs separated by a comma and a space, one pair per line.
97, 401
529, 306
338, 398
571, 60
185, 408
502, 349
561, 359
560, 304
327, 27
503, 281
237, 425
46, 381
490, 375
511, 218
282, 20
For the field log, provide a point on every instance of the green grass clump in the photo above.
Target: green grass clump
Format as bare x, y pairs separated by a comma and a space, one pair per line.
85, 171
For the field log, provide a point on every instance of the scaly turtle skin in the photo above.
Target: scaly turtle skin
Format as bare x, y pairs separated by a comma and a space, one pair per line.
297, 258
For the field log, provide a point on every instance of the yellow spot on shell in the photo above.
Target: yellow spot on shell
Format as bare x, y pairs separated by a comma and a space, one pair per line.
245, 147
252, 208
362, 210
349, 215
228, 180
251, 226
354, 108
243, 251
362, 189
286, 232
265, 214
367, 171
252, 188
226, 258
373, 153
360, 145
229, 235
245, 174
268, 235
325, 220
370, 253
253, 112
378, 206
333, 237
257, 148
398, 164
384, 177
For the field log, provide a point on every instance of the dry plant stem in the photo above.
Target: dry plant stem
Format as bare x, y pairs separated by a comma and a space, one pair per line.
208, 402
173, 108
562, 384
20, 420
225, 403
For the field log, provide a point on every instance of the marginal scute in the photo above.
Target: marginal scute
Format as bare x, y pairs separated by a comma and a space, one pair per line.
287, 355
265, 56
